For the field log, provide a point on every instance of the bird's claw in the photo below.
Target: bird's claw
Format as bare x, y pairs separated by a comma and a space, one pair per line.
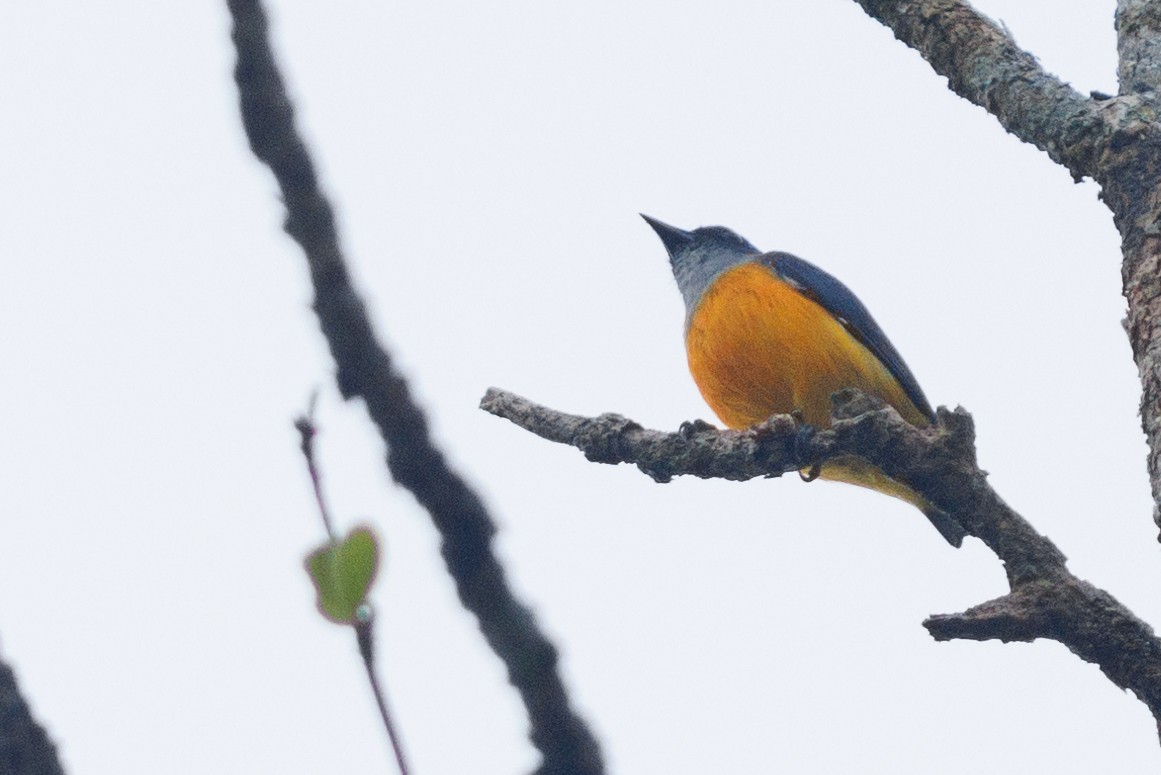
811, 469
811, 473
691, 428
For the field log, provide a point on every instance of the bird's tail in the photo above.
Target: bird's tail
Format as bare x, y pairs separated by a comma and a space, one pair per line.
853, 470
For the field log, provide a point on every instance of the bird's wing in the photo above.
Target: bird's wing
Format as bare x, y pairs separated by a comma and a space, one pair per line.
838, 300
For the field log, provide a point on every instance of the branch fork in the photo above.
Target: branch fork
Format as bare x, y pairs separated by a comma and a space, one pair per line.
939, 462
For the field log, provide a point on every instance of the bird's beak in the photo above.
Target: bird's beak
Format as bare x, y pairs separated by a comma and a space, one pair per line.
672, 237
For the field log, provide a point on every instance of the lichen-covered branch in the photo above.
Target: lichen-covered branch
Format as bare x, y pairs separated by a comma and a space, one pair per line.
366, 370
985, 66
1045, 601
699, 449
1138, 24
1130, 178
1089, 621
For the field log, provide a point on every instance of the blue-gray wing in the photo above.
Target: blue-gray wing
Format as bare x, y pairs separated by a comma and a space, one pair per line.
838, 300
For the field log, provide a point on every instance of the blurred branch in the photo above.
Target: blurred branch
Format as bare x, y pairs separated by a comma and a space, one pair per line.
939, 462
1114, 140
365, 369
24, 747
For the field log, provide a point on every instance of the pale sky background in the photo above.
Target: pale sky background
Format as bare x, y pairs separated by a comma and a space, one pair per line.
488, 161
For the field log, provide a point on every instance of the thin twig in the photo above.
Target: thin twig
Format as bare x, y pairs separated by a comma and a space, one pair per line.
364, 633
364, 625
307, 430
984, 65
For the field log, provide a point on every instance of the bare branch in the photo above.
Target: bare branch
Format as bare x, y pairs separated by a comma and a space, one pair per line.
1089, 621
365, 369
1046, 600
698, 449
1116, 141
1017, 616
985, 66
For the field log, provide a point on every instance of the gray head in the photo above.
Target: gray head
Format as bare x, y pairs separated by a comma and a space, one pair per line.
699, 256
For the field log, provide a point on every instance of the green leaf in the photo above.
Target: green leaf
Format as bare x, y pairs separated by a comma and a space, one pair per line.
343, 573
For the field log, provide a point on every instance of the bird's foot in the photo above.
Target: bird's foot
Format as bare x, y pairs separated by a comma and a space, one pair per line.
691, 428
810, 469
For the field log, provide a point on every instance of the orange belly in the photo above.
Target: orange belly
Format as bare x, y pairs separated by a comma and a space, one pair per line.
758, 347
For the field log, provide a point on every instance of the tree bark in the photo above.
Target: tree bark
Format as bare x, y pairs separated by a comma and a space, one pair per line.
1045, 600
1116, 141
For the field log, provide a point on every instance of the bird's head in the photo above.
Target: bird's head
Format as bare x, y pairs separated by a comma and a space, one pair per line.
699, 256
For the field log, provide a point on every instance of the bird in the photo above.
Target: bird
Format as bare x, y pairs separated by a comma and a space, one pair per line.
771, 333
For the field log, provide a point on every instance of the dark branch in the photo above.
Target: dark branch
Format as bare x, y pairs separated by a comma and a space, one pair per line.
365, 369
1089, 621
24, 747
939, 462
1018, 616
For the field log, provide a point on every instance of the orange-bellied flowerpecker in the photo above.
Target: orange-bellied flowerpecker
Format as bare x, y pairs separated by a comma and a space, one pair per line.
770, 333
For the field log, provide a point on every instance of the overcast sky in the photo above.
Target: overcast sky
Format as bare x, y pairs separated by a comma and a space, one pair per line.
488, 161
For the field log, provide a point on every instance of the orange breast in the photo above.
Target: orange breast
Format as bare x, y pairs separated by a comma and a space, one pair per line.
758, 347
